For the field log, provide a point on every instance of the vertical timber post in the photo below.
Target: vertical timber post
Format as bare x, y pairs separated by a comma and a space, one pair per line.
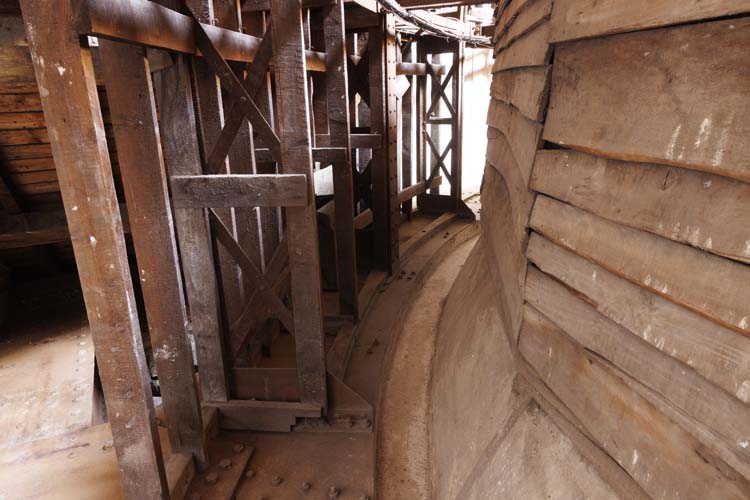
302, 232
136, 130
181, 155
339, 128
65, 76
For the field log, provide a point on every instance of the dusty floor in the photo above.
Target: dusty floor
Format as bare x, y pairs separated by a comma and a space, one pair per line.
404, 442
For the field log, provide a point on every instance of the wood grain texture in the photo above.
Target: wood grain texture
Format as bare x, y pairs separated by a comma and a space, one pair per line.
705, 283
534, 13
304, 261
532, 49
706, 211
506, 16
523, 135
133, 107
71, 107
717, 353
182, 157
678, 94
337, 100
665, 460
676, 382
573, 19
236, 190
525, 88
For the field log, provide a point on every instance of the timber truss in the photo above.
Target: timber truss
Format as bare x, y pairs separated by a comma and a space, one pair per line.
220, 134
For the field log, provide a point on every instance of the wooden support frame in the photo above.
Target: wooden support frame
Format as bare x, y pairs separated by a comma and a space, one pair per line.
296, 157
133, 109
72, 112
263, 190
337, 93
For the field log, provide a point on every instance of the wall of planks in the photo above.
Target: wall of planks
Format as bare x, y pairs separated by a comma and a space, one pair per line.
616, 210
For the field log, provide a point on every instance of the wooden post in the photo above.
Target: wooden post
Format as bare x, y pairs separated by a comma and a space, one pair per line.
210, 122
339, 129
181, 155
67, 85
391, 140
136, 130
457, 125
302, 233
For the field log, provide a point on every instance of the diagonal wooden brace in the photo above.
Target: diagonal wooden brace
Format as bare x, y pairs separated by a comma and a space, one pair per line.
249, 270
252, 83
232, 84
440, 159
441, 90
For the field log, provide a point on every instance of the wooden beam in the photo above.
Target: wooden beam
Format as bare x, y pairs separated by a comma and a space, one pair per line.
358, 141
182, 157
274, 416
337, 93
304, 261
420, 69
418, 188
136, 129
72, 111
263, 190
148, 23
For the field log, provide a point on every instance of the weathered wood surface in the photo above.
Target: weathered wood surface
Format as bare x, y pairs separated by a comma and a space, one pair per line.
65, 75
182, 157
706, 211
133, 108
236, 190
715, 352
304, 262
681, 386
506, 16
523, 135
534, 13
500, 157
525, 88
710, 285
701, 67
665, 460
337, 98
531, 49
573, 19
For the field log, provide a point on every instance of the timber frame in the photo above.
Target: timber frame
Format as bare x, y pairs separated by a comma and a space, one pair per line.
222, 114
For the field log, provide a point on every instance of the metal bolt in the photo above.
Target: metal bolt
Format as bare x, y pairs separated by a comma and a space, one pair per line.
211, 478
306, 486
238, 448
277, 480
225, 464
249, 474
333, 492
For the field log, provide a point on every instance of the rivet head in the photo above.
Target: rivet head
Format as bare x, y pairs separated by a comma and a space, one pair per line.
238, 448
333, 492
211, 478
249, 474
306, 486
225, 464
277, 480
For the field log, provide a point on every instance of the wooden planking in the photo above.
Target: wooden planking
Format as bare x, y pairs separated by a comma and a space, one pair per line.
337, 99
11, 121
523, 135
22, 102
574, 19
532, 49
235, 190
507, 16
181, 155
65, 74
525, 88
665, 460
304, 261
681, 386
706, 211
701, 67
534, 13
717, 353
25, 136
134, 118
501, 158
16, 70
708, 284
